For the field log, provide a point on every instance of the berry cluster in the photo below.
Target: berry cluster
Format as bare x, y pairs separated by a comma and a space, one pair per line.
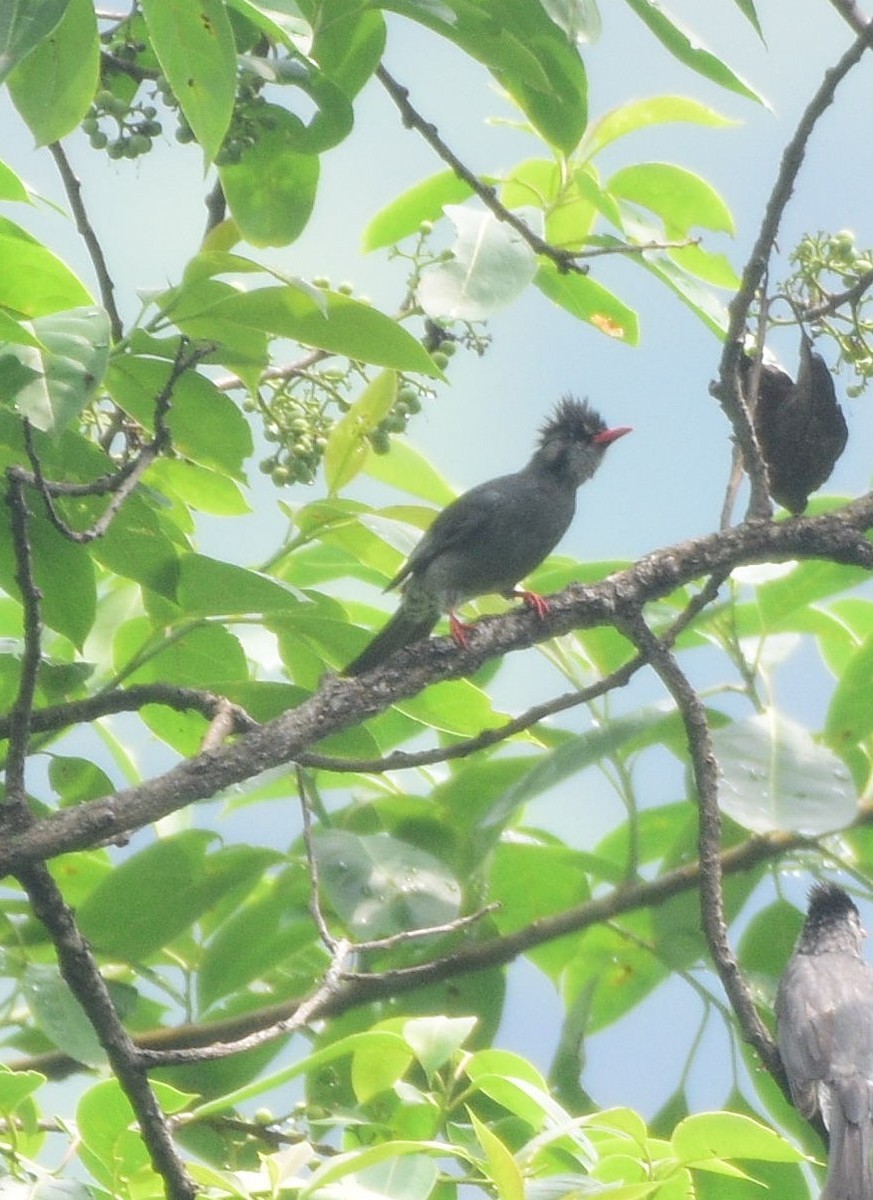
832, 278
133, 125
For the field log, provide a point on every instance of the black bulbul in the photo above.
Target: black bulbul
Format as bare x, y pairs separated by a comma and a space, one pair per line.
495, 534
799, 425
824, 1021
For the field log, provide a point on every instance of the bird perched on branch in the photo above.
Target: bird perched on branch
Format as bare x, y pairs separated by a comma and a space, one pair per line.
799, 425
493, 535
824, 1016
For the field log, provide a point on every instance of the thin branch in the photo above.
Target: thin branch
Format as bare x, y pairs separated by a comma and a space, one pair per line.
852, 14
363, 989
57, 717
564, 260
312, 862
20, 717
833, 303
73, 188
705, 769
400, 760
727, 389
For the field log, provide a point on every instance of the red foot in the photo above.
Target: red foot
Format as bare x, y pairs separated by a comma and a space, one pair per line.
533, 600
459, 631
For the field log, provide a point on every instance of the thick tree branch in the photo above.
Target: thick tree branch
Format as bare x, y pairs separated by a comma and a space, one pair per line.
340, 703
727, 389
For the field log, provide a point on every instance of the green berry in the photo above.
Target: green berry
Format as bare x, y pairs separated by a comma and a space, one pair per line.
448, 348
345, 289
98, 140
116, 149
425, 227
104, 98
138, 144
90, 125
440, 359
321, 281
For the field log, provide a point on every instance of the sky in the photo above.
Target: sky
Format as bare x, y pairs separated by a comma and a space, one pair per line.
662, 484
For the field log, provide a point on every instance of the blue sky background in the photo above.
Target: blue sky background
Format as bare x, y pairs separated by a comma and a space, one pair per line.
665, 482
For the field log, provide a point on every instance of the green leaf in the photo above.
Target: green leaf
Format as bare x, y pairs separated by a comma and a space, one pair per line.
77, 780
205, 424
405, 468
207, 656
701, 300
703, 1137
136, 547
23, 25
422, 202
380, 886
271, 190
11, 187
528, 55
349, 47
775, 777
199, 487
640, 114
60, 1015
69, 366
500, 1167
590, 301
256, 941
343, 326
13, 331
154, 896
435, 1040
33, 281
491, 265
283, 23
193, 41
209, 586
64, 573
347, 447
16, 1087
54, 86
332, 116
850, 714
682, 199
687, 49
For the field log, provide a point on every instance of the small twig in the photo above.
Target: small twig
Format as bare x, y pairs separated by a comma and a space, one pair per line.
412, 935
833, 303
706, 769
127, 477
312, 862
637, 247
73, 188
727, 388
564, 260
852, 14
222, 725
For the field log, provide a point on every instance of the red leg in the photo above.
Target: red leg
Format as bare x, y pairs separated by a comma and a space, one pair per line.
459, 631
533, 600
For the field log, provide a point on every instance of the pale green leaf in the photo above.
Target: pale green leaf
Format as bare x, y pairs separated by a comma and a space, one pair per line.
347, 447
490, 267
776, 777
23, 25
69, 366
682, 199
422, 202
193, 41
640, 114
590, 301
54, 86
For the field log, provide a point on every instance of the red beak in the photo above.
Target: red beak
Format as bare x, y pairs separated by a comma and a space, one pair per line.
608, 436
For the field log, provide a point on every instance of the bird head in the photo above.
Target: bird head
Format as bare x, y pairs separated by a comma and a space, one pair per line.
832, 922
574, 440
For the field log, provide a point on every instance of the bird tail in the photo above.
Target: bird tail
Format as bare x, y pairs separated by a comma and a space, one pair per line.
404, 628
850, 1171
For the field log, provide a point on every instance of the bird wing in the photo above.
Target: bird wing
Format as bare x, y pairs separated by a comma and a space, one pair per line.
466, 517
824, 1013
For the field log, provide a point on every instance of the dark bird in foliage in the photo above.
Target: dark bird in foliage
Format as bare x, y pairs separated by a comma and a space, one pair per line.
492, 536
824, 1016
799, 425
